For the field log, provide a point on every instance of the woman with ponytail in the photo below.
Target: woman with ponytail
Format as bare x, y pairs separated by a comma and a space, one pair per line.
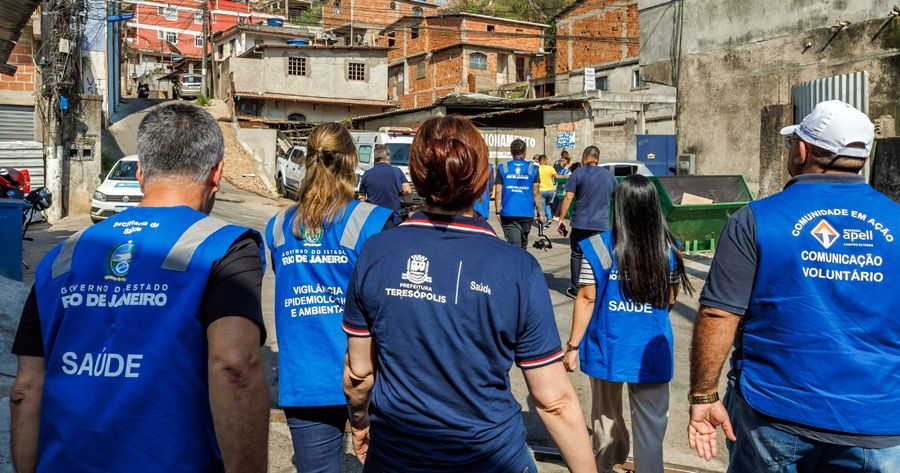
314, 246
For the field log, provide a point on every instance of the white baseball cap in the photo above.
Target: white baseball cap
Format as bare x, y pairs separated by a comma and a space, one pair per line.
832, 126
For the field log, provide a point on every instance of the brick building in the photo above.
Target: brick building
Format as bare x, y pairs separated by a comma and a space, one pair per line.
17, 99
437, 55
359, 21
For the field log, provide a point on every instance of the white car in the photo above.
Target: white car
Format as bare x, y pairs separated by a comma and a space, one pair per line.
119, 191
290, 169
626, 168
398, 141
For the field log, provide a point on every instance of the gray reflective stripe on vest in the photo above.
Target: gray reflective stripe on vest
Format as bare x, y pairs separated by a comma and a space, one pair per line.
530, 168
602, 251
355, 224
180, 255
278, 229
63, 262
502, 168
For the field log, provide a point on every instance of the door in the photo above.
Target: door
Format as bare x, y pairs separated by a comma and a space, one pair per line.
657, 152
16, 123
295, 169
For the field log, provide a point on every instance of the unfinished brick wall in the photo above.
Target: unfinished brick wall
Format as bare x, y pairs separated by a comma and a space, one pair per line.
20, 57
583, 29
504, 35
373, 13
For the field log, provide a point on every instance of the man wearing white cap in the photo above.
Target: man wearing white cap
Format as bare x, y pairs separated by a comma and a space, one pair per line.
808, 281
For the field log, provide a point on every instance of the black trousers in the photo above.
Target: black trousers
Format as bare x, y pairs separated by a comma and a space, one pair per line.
516, 229
577, 255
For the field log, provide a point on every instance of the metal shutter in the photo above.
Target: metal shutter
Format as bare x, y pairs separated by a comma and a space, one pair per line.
16, 123
24, 155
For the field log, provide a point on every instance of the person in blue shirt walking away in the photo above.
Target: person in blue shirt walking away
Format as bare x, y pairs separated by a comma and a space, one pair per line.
433, 330
483, 203
383, 185
139, 345
591, 187
620, 326
805, 284
517, 195
315, 245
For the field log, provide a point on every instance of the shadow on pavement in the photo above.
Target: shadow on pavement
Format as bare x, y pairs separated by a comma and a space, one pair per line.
685, 311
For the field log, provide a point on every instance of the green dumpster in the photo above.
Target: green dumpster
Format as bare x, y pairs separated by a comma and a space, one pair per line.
697, 207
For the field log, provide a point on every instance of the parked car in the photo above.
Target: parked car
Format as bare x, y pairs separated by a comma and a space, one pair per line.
187, 86
290, 170
119, 191
398, 141
626, 168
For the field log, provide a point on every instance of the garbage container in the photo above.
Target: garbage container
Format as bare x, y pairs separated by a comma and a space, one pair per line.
11, 238
697, 207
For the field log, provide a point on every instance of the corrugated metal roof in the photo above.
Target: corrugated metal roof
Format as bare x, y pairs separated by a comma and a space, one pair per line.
318, 100
16, 14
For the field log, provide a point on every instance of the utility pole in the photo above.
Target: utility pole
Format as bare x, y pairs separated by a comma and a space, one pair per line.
205, 85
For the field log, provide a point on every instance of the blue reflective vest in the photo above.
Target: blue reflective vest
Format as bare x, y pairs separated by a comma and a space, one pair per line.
311, 276
126, 353
820, 335
518, 188
483, 204
625, 341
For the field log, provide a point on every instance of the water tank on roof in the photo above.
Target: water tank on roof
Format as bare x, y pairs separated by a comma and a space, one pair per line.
275, 22
298, 42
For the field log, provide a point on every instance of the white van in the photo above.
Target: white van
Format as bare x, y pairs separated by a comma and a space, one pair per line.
398, 141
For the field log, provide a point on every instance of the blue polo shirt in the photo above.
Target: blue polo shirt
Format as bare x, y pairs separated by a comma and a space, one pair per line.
593, 187
382, 186
448, 327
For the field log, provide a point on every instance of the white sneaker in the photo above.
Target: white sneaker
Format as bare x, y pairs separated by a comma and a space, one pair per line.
555, 219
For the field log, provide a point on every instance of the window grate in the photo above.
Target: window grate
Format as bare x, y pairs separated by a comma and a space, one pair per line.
296, 66
356, 71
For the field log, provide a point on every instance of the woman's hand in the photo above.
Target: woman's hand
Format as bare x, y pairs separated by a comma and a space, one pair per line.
571, 361
360, 443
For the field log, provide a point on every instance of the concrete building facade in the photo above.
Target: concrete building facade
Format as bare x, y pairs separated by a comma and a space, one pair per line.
438, 55
736, 63
306, 84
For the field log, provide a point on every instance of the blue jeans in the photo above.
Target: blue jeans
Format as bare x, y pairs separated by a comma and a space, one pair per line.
523, 462
547, 199
318, 437
762, 448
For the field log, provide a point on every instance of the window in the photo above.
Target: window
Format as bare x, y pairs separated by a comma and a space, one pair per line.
198, 17
519, 30
417, 11
602, 82
172, 37
490, 28
161, 34
198, 41
337, 7
297, 117
636, 81
296, 66
478, 61
364, 154
356, 71
414, 32
393, 5
421, 70
392, 40
170, 13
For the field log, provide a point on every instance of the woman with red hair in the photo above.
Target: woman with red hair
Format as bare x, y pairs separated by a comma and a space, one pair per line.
428, 311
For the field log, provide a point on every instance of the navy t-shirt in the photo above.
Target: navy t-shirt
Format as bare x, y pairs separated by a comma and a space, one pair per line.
593, 187
448, 327
382, 185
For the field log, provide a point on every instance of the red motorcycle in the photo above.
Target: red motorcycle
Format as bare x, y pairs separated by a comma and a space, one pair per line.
16, 184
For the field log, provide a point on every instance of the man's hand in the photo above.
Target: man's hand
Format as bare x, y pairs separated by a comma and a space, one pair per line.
539, 220
561, 228
702, 428
360, 443
571, 361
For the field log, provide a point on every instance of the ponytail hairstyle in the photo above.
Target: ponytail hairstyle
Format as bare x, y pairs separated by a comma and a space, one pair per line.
642, 242
328, 186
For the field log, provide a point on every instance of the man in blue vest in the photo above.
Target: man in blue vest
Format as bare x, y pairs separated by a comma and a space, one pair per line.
139, 345
383, 185
517, 195
807, 279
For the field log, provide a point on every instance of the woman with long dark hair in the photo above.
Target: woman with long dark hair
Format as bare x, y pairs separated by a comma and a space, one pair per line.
434, 329
315, 244
621, 329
